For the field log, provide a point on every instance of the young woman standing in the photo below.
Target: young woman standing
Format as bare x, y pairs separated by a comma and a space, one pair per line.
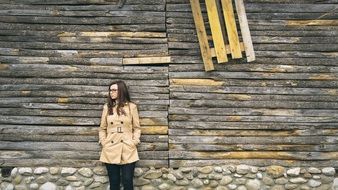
119, 135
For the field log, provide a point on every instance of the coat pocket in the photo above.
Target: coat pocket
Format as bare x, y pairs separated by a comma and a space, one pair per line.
130, 144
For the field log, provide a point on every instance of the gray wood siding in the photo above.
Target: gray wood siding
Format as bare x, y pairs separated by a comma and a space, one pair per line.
280, 109
57, 58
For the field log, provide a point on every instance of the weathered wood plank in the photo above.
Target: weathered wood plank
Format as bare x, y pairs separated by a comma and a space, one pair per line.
253, 97
100, 90
62, 105
256, 162
90, 96
249, 125
61, 33
187, 16
64, 73
254, 155
254, 104
295, 40
85, 28
304, 19
239, 118
271, 7
92, 155
313, 22
84, 121
194, 61
80, 57
255, 90
180, 49
154, 130
87, 112
146, 60
296, 54
253, 82
88, 20
253, 133
73, 146
255, 75
267, 1
253, 112
81, 2
79, 46
246, 36
202, 35
71, 130
250, 147
74, 162
231, 28
71, 138
52, 2
41, 130
33, 11
79, 7
315, 140
216, 30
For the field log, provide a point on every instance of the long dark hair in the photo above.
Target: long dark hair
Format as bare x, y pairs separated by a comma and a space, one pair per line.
122, 96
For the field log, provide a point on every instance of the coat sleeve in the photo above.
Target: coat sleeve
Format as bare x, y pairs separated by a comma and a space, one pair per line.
136, 125
103, 125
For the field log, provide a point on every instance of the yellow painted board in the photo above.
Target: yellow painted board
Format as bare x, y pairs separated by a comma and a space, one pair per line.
243, 23
146, 60
230, 22
216, 31
202, 35
312, 22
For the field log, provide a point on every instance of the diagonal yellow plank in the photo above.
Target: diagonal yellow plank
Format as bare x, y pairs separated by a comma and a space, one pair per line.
216, 31
230, 22
202, 35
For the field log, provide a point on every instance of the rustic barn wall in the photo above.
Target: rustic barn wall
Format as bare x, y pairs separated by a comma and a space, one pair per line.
280, 109
57, 58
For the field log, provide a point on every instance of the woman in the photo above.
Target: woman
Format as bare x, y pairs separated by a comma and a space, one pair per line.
119, 134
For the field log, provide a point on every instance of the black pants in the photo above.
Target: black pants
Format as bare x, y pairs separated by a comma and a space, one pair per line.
114, 174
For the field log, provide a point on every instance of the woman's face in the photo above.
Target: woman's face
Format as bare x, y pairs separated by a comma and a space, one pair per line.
113, 91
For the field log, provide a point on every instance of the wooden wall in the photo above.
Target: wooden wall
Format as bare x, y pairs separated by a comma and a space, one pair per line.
58, 56
57, 59
280, 109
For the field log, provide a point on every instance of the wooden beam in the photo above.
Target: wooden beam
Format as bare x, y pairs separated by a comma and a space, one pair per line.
146, 60
202, 35
312, 22
216, 31
243, 22
231, 28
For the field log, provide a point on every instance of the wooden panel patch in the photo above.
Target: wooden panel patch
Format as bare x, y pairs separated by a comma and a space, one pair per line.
215, 10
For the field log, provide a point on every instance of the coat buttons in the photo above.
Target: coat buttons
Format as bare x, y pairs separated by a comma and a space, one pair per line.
121, 122
121, 140
111, 122
112, 141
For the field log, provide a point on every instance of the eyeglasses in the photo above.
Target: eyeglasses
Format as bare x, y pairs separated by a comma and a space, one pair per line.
113, 90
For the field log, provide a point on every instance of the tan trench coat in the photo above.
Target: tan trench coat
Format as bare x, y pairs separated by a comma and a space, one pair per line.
119, 135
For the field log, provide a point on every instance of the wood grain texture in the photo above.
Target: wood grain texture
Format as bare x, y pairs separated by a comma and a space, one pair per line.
216, 30
57, 58
202, 35
230, 22
266, 112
